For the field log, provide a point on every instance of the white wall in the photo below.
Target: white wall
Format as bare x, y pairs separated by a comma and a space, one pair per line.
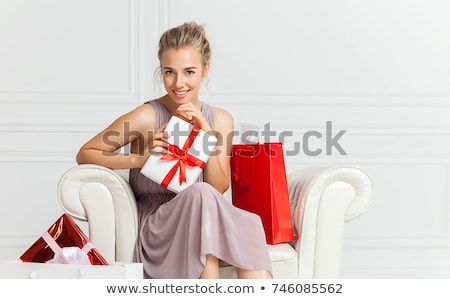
378, 69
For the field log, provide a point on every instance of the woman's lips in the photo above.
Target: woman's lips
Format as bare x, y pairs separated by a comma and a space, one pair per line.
180, 93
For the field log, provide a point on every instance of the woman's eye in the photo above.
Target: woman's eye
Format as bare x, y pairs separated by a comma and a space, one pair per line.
169, 73
189, 73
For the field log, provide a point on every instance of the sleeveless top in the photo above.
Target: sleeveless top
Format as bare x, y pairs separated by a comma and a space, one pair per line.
150, 195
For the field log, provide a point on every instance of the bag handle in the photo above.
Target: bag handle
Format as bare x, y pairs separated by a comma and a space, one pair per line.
242, 165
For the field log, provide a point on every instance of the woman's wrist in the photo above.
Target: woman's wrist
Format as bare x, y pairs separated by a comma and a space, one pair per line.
138, 160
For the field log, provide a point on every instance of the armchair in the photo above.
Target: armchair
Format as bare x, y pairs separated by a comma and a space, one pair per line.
322, 200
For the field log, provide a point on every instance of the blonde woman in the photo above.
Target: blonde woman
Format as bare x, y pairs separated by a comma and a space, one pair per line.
183, 235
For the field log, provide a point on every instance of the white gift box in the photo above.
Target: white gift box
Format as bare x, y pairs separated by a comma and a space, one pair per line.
187, 145
24, 270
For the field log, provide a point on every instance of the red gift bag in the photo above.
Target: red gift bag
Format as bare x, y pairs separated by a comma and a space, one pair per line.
63, 243
259, 185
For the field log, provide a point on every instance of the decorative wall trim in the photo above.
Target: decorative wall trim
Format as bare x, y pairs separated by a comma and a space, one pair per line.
81, 97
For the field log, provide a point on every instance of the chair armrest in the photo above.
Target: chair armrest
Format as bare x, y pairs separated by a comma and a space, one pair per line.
104, 199
322, 200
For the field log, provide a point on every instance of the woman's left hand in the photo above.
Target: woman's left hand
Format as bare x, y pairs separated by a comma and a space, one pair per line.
194, 114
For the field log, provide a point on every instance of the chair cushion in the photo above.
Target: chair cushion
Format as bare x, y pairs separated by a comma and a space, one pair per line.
281, 252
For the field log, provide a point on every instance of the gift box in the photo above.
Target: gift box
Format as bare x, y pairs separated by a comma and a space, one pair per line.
63, 243
188, 149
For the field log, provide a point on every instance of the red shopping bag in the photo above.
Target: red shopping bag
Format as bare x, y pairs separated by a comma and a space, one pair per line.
259, 185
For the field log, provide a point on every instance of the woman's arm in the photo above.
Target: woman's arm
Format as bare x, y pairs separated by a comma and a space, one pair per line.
135, 127
217, 169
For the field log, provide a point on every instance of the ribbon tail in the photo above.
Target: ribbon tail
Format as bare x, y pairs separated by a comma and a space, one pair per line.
165, 182
182, 172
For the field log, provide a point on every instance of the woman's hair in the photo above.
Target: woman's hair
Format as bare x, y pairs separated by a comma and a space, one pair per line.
187, 34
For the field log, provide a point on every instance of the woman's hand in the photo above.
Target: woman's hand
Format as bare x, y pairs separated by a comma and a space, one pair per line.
192, 113
157, 145
159, 142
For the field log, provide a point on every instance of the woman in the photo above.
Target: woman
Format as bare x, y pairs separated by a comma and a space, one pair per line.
183, 235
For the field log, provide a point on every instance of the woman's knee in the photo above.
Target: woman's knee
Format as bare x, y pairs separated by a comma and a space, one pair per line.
202, 192
201, 189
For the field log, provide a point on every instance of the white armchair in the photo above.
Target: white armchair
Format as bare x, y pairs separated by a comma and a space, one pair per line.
322, 200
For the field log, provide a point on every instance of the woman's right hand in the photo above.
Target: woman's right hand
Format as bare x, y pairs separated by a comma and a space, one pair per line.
156, 145
159, 142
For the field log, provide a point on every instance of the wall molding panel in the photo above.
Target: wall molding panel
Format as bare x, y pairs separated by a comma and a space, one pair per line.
95, 71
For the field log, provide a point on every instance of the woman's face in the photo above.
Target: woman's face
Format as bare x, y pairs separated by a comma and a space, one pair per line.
183, 71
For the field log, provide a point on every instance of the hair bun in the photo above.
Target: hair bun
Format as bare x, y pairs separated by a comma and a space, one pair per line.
196, 27
187, 34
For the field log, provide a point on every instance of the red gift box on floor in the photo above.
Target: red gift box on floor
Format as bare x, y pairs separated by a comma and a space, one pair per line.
63, 243
259, 185
188, 150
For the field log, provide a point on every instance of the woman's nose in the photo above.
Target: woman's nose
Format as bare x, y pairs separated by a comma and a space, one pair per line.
179, 81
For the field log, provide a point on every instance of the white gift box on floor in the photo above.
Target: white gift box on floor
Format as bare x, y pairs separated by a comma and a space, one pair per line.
24, 270
189, 148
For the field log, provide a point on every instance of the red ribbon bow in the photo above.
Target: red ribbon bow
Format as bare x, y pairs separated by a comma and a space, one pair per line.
184, 158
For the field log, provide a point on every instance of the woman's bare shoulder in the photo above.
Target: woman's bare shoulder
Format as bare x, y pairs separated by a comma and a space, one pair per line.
222, 116
143, 116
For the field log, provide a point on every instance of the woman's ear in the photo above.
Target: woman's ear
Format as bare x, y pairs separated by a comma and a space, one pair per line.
205, 70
